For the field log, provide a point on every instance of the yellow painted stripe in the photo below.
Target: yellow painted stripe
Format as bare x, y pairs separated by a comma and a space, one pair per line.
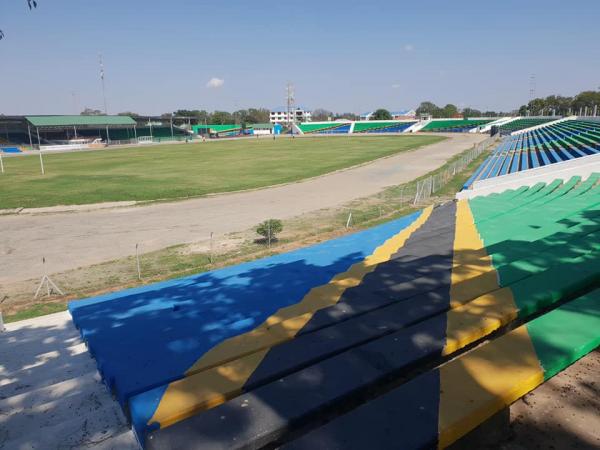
221, 373
478, 318
478, 304
472, 273
479, 384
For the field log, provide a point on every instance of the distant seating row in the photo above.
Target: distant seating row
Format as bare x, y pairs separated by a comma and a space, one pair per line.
536, 148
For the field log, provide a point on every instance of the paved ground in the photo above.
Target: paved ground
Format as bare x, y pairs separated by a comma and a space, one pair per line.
563, 413
51, 396
76, 239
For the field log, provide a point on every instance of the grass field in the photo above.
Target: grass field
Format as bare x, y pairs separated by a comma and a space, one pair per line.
185, 170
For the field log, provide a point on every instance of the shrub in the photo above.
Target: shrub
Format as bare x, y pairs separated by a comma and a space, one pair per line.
269, 229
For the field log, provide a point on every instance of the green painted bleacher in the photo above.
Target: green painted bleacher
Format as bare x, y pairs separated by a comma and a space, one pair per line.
521, 124
368, 125
454, 124
315, 127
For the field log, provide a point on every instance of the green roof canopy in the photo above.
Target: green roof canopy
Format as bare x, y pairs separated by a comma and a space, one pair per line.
83, 121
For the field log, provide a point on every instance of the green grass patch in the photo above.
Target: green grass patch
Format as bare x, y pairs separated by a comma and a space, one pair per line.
39, 309
186, 170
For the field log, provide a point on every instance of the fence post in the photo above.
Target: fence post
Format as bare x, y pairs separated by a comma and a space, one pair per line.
137, 260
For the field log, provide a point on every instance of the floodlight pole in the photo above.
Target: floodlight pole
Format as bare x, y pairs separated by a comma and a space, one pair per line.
29, 132
40, 150
103, 86
42, 163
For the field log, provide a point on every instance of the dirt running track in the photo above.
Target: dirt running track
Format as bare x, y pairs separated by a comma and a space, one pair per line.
76, 239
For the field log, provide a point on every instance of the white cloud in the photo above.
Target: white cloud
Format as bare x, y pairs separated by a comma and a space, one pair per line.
409, 47
215, 83
395, 86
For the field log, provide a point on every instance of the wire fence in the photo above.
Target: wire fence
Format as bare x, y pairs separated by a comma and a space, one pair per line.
427, 187
220, 249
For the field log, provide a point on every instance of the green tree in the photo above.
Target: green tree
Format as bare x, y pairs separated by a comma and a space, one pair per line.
91, 112
428, 108
221, 118
258, 115
269, 229
449, 110
586, 99
381, 114
470, 112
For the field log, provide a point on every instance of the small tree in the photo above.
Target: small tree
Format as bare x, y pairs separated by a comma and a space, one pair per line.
381, 114
269, 229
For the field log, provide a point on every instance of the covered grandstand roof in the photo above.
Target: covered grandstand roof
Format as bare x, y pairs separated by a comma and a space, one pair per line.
85, 121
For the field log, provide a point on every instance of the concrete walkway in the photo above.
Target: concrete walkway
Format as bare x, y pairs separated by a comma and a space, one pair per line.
51, 394
76, 239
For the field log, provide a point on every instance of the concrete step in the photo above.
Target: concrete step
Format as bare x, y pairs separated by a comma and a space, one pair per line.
69, 391
93, 423
63, 368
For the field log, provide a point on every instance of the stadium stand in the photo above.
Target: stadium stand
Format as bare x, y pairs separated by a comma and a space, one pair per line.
454, 125
381, 127
325, 127
226, 130
539, 147
258, 354
523, 123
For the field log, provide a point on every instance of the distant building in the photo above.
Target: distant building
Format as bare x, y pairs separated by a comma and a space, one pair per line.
403, 114
297, 115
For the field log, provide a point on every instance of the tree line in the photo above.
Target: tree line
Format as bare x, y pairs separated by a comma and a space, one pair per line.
584, 103
241, 117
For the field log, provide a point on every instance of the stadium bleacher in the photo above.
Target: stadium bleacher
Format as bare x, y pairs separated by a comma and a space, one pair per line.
325, 127
523, 123
252, 354
381, 127
563, 141
454, 125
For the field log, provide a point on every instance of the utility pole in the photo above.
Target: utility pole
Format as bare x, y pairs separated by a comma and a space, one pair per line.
532, 86
290, 104
103, 86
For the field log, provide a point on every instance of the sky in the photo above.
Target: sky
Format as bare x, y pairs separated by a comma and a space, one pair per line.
344, 56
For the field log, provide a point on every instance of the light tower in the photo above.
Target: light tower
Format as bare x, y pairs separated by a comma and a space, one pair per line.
290, 99
103, 86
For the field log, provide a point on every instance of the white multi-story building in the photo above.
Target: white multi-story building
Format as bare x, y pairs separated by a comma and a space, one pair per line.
297, 115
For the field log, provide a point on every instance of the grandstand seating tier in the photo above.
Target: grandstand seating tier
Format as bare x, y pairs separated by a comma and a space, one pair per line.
523, 123
454, 125
248, 354
549, 144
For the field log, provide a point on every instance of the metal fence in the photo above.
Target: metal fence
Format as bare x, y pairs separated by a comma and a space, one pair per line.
427, 187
